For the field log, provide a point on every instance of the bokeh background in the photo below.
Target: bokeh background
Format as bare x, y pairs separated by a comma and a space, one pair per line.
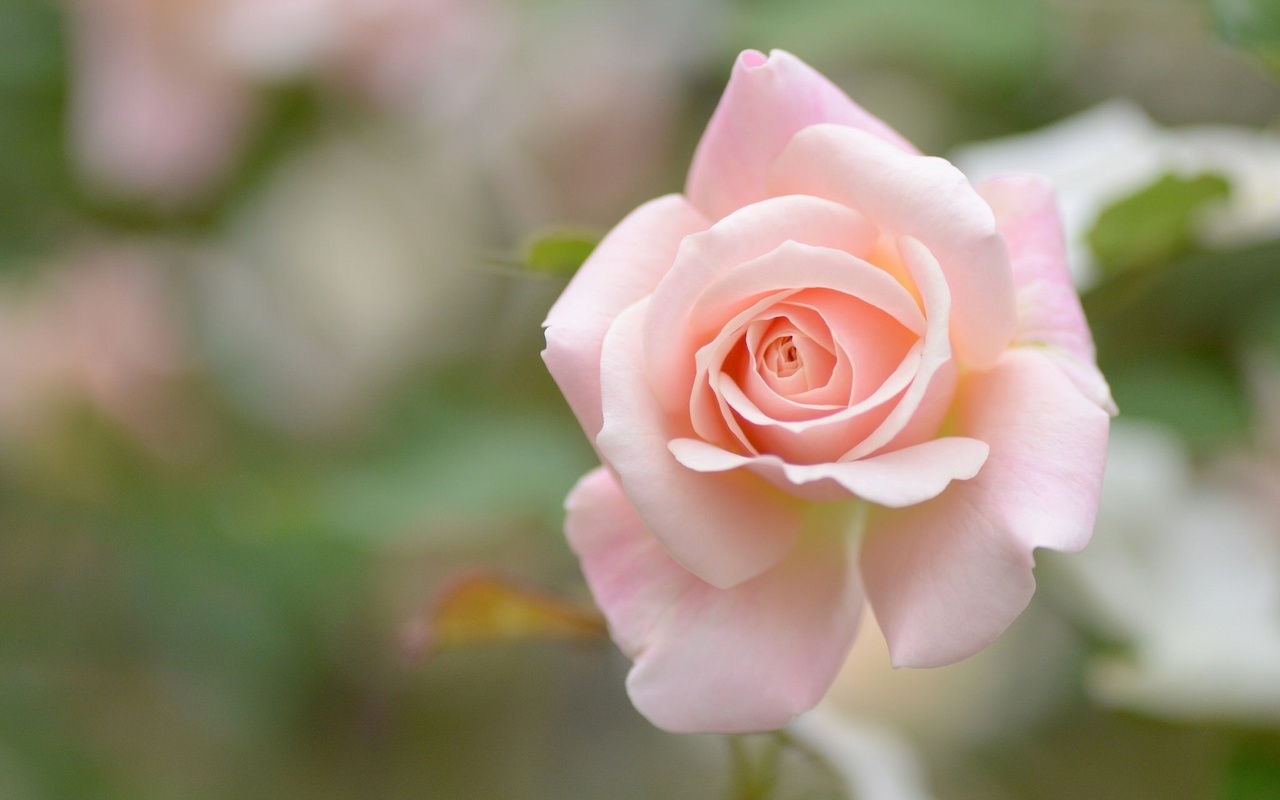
271, 280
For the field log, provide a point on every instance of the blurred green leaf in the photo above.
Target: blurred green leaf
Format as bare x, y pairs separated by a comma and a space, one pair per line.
1170, 340
781, 766
559, 252
35, 188
1251, 25
1154, 224
1199, 396
484, 463
1253, 774
1202, 301
980, 44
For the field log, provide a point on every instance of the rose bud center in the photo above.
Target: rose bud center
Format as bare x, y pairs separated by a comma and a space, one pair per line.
782, 357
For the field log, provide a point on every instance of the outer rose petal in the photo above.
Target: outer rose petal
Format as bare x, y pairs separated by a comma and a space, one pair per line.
1049, 311
724, 528
624, 267
766, 102
948, 576
926, 199
729, 660
898, 478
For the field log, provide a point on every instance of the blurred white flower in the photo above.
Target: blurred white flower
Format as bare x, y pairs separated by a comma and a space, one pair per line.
1114, 150
874, 762
1186, 575
356, 260
996, 693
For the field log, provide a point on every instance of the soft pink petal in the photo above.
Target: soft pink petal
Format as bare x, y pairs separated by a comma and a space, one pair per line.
674, 333
875, 343
923, 405
797, 265
832, 395
725, 528
927, 199
815, 438
900, 478
818, 355
725, 660
862, 301
948, 576
1049, 311
766, 102
709, 413
811, 441
624, 267
766, 343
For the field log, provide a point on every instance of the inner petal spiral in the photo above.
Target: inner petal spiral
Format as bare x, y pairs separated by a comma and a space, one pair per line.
782, 357
787, 357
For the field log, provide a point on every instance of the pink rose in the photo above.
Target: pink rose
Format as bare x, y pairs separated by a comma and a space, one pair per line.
832, 372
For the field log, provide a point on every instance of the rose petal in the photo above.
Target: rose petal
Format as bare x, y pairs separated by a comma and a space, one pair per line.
709, 413
706, 659
832, 395
946, 577
767, 343
624, 267
875, 343
1049, 311
724, 528
899, 478
793, 265
861, 300
766, 102
925, 402
673, 332
818, 440
927, 199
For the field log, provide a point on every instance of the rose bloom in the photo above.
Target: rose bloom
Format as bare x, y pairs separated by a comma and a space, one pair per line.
832, 372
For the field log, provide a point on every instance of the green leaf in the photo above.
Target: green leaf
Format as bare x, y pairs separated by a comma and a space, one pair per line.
1197, 395
1204, 301
1253, 774
1251, 25
559, 252
1156, 224
36, 192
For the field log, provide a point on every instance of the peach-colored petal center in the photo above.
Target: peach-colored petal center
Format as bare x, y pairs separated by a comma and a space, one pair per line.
790, 362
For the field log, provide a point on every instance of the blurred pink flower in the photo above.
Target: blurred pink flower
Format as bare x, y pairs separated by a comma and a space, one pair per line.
165, 90
101, 330
155, 110
833, 369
